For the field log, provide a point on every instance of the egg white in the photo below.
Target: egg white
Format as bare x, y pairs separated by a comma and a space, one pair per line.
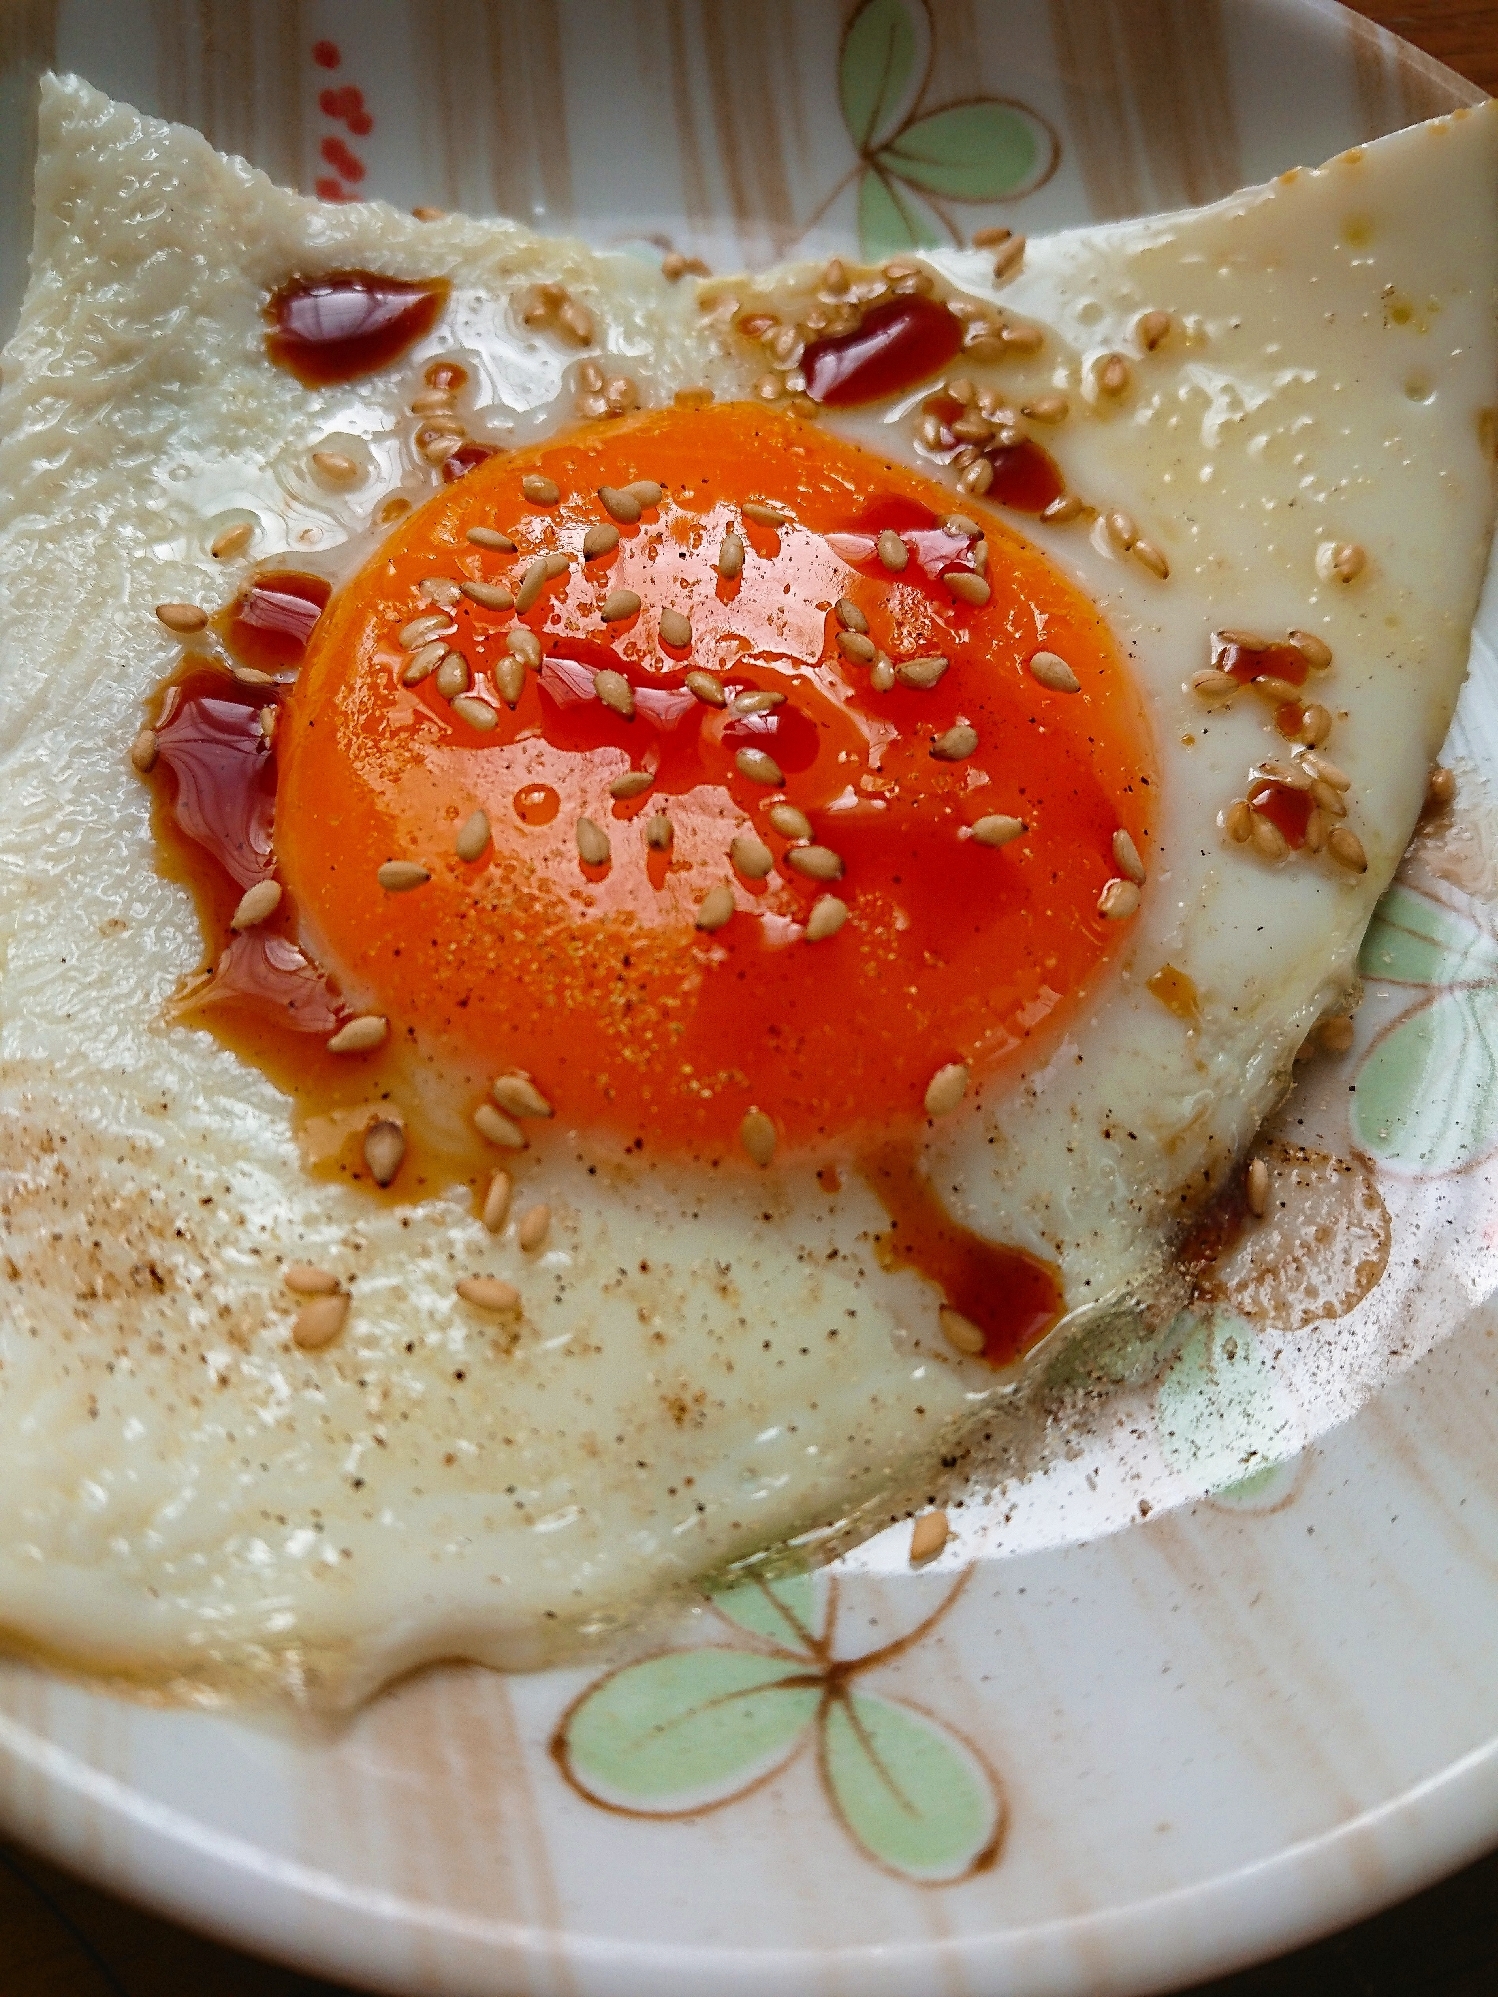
702, 1371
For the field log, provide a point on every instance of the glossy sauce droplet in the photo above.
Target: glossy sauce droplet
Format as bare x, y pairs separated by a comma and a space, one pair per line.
1284, 806
537, 804
332, 329
464, 459
896, 346
270, 621
1246, 663
1025, 476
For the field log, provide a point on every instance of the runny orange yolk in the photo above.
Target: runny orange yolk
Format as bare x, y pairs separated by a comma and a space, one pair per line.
595, 979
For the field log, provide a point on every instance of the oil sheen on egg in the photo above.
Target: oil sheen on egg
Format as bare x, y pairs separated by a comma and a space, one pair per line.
682, 1326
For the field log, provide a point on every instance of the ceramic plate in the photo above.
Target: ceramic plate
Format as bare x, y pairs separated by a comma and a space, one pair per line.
1211, 1672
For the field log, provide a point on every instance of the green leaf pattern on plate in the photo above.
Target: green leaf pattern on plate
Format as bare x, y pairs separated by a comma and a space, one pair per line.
984, 149
1225, 1422
1426, 1099
690, 1730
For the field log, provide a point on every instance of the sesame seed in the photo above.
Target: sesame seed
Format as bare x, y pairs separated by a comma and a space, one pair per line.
621, 503
632, 783
967, 587
768, 388
533, 1227
531, 584
1329, 799
1237, 821
268, 722
1337, 1033
491, 595
997, 829
1052, 671
731, 557
1067, 507
252, 676
881, 674
577, 322
384, 1149
497, 1201
1315, 651
1326, 771
1346, 849
675, 629
762, 516
757, 1134
851, 617
827, 917
256, 903
620, 395
490, 537
436, 441
1256, 1187
1152, 329
1210, 684
1126, 858
426, 214
473, 836
854, 645
1440, 790
946, 1088
1340, 561
818, 863
959, 526
498, 1128
508, 674
789, 822
540, 490
892, 551
1118, 900
960, 1331
1315, 725
477, 713
600, 539
232, 541
715, 908
338, 467
659, 833
488, 1293
319, 1322
615, 691
751, 856
1316, 829
398, 876
432, 401
834, 276
524, 646
693, 397
1268, 840
1122, 529
971, 430
453, 675
708, 688
305, 1279
143, 750
927, 1537
1153, 558
360, 1035
756, 700
1113, 375
181, 617
977, 477
618, 605
1048, 409
647, 491
758, 767
922, 672
956, 744
424, 660
517, 1095
422, 630
1294, 774
1011, 255
592, 844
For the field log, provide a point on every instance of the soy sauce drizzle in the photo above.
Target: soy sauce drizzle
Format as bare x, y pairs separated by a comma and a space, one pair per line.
348, 323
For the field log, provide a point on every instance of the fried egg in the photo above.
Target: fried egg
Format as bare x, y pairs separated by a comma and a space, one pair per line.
625, 894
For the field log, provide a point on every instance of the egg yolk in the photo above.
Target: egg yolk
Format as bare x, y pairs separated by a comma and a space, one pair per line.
641, 922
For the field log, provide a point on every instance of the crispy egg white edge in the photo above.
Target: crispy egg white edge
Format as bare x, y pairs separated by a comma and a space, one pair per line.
431, 1557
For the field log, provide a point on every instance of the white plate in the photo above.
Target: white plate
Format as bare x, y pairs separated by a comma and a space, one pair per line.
1211, 1677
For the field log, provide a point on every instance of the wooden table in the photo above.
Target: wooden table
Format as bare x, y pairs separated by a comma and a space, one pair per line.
59, 1938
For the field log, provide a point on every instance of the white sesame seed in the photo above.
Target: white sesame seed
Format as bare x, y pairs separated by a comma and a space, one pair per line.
1268, 840
955, 744
540, 490
927, 1537
751, 856
716, 907
509, 677
647, 491
881, 674
659, 833
1118, 899
498, 1128
1440, 790
477, 713
490, 537
1153, 558
1256, 1188
1346, 849
1340, 561
268, 722
850, 616
960, 1331
708, 688
473, 836
827, 917
1210, 684
592, 843
525, 646
576, 321
977, 477
399, 876
601, 539
252, 676
1316, 829
305, 1279
619, 605
384, 1149
757, 1135
1237, 821
1126, 858
497, 1201
997, 829
758, 767
533, 1227
762, 516
360, 1035
181, 617
1152, 329
488, 1293
967, 587
517, 1095
338, 467
422, 630
1052, 671
892, 551
1315, 651
621, 503
491, 595
1122, 529
615, 691
675, 629
854, 645
817, 863
256, 903
1066, 507
731, 557
424, 660
233, 541
1113, 375
1048, 409
631, 783
946, 1088
957, 524
1324, 770
319, 1322
789, 822
453, 675
756, 700
922, 672
143, 750
1011, 255
531, 584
